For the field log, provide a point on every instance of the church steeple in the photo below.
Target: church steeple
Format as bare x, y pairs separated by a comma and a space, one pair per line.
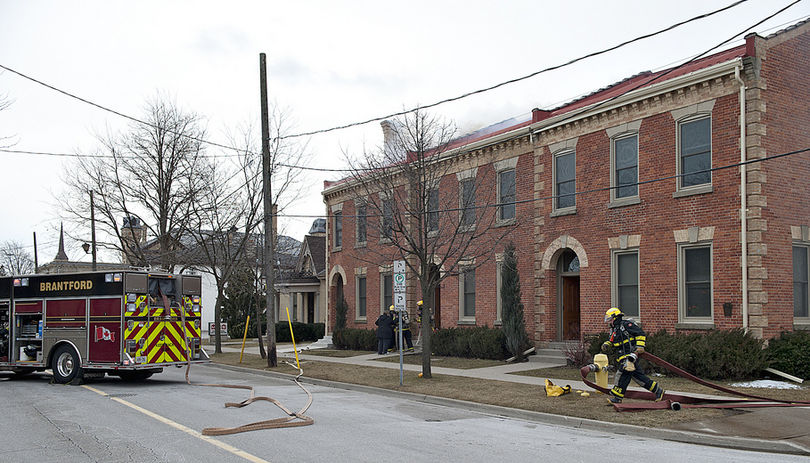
61, 255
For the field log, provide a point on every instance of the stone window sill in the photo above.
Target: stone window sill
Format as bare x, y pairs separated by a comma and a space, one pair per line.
801, 326
466, 322
561, 212
694, 326
621, 202
695, 190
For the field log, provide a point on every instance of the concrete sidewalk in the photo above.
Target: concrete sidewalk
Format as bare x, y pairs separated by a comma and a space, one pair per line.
782, 430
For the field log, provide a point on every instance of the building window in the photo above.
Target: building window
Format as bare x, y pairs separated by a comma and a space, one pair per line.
506, 195
433, 210
467, 292
800, 282
625, 167
361, 297
361, 223
626, 287
695, 157
387, 291
467, 202
388, 218
565, 184
338, 229
294, 297
695, 285
498, 288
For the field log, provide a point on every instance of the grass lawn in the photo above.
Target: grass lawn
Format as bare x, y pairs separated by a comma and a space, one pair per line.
447, 362
676, 383
514, 395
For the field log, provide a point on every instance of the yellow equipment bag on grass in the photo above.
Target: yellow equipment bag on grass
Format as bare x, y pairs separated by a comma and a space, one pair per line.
555, 391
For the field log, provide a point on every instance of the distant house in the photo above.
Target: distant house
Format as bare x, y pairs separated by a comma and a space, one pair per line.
303, 288
191, 258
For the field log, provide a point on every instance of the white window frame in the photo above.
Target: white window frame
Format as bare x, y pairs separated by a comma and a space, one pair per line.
501, 167
614, 279
462, 317
799, 320
360, 274
337, 218
686, 115
615, 200
432, 231
682, 248
360, 218
386, 238
464, 207
555, 192
499, 259
383, 274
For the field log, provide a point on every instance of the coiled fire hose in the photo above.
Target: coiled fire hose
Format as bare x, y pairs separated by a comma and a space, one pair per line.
677, 401
293, 419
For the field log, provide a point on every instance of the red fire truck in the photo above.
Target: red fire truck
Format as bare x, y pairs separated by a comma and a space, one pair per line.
130, 324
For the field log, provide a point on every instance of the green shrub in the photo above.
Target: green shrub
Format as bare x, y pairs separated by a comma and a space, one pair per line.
474, 342
303, 331
355, 339
789, 353
717, 354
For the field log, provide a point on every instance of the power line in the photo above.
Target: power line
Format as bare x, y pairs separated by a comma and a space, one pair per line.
518, 79
380, 118
576, 193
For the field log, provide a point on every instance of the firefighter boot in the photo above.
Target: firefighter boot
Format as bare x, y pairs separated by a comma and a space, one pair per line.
614, 400
659, 393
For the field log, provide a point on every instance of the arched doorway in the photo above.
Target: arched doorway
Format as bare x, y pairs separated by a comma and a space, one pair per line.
568, 321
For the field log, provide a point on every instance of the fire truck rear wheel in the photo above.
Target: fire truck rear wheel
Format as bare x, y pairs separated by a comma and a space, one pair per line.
65, 365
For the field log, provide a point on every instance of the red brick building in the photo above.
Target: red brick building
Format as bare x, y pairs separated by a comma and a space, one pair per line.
632, 197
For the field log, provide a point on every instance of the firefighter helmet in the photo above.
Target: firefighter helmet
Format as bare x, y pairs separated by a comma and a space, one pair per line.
391, 308
612, 313
419, 303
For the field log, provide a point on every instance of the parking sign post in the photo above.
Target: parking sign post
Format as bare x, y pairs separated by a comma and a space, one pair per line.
399, 306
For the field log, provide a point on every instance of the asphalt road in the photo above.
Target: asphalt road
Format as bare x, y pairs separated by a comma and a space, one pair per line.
160, 420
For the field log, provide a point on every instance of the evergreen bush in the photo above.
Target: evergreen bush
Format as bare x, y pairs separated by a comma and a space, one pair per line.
474, 342
514, 326
790, 353
715, 355
355, 339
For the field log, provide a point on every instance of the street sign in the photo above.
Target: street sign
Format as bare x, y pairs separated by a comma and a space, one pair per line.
399, 283
399, 301
399, 266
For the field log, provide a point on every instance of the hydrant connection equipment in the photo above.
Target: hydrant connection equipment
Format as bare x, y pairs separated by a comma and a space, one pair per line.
601, 360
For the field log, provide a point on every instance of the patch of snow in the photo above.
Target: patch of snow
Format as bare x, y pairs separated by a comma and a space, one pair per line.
768, 383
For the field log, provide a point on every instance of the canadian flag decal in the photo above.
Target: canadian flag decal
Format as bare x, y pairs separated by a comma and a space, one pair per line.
104, 334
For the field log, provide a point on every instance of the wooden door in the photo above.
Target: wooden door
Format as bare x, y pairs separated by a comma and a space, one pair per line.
570, 308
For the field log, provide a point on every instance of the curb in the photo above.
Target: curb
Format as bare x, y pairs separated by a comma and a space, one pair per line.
731, 442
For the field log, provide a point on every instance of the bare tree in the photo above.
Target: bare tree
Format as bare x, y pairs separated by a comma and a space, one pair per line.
425, 216
148, 176
230, 201
15, 260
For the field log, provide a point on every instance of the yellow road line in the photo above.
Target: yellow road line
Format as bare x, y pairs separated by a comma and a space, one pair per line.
180, 427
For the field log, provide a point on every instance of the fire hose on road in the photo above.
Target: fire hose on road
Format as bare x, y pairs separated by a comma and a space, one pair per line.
293, 419
677, 401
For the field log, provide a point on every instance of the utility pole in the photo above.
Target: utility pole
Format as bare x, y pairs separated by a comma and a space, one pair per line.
269, 232
36, 262
93, 228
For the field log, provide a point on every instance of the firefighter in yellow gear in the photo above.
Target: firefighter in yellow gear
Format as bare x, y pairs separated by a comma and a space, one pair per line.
406, 329
629, 340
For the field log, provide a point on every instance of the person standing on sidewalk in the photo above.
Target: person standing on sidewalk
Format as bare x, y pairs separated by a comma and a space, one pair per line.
385, 332
629, 340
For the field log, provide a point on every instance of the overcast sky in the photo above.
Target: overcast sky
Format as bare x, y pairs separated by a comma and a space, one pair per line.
329, 63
